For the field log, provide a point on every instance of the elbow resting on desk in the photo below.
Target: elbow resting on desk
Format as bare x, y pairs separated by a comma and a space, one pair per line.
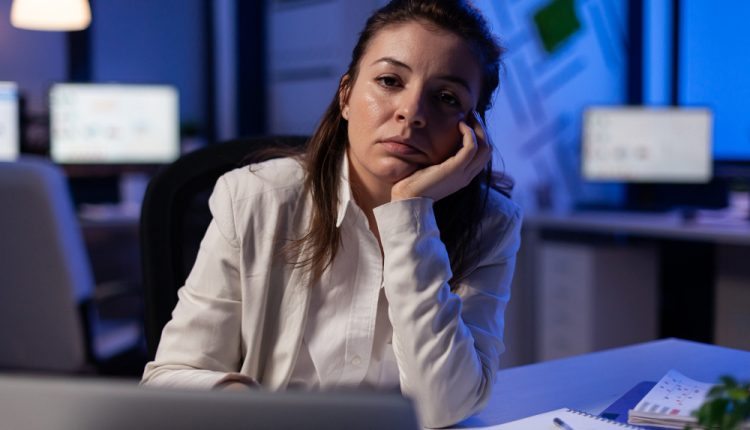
446, 406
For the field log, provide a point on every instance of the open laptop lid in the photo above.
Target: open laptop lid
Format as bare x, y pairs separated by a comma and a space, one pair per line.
94, 404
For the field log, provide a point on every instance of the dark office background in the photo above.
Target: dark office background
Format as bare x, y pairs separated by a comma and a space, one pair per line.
244, 68
254, 67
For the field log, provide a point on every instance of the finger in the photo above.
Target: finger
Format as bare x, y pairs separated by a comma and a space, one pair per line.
477, 164
484, 152
470, 138
469, 146
480, 130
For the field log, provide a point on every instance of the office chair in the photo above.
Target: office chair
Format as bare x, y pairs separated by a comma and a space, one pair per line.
48, 302
175, 216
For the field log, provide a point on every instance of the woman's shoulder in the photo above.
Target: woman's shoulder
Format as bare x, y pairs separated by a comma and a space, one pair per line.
257, 196
276, 176
501, 209
501, 226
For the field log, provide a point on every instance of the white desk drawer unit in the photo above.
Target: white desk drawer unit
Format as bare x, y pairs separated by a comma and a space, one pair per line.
591, 297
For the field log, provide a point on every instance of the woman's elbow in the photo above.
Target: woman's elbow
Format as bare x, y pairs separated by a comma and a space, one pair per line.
454, 405
437, 416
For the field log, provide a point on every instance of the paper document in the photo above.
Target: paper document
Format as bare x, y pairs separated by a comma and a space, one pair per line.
671, 402
574, 419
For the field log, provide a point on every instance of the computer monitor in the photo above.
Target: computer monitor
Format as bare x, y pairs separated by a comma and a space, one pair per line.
647, 145
712, 71
113, 124
9, 121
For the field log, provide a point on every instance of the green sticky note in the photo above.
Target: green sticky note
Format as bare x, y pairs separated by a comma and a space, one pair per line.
556, 22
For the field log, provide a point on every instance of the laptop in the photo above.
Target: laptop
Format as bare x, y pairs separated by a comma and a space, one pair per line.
39, 403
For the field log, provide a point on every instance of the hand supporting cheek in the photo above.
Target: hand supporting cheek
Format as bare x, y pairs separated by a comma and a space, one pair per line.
441, 180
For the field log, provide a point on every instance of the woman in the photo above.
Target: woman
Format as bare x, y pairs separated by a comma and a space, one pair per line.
382, 256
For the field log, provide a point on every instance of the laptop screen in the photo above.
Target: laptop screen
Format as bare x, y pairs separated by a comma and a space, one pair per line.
93, 404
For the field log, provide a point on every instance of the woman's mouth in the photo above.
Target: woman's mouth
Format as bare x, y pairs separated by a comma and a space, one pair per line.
398, 147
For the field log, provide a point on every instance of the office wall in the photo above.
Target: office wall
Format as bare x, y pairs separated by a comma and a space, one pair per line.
131, 41
309, 46
536, 121
34, 59
160, 42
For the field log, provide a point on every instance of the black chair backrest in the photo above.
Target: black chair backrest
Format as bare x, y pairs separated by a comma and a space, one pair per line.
175, 216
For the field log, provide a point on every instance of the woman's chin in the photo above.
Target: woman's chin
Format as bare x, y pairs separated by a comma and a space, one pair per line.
393, 172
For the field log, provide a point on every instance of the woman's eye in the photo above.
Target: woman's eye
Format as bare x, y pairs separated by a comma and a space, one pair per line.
449, 99
388, 81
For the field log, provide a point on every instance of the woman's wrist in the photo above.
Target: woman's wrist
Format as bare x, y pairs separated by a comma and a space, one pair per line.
233, 386
397, 193
236, 382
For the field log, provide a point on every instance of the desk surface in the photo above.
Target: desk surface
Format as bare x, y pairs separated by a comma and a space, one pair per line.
591, 382
667, 226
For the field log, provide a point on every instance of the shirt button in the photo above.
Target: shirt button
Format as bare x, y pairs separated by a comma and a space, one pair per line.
356, 360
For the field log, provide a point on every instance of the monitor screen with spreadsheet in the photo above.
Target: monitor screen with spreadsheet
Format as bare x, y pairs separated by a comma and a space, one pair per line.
647, 145
9, 121
113, 124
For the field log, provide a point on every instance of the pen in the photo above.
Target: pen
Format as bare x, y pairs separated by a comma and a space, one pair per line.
561, 424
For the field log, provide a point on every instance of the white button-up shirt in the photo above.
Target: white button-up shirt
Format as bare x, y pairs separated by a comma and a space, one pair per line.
347, 339
247, 312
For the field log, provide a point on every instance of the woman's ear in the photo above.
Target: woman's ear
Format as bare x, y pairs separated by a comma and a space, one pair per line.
344, 88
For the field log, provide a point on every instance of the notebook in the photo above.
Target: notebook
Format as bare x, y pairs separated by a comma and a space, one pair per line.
671, 402
618, 410
575, 419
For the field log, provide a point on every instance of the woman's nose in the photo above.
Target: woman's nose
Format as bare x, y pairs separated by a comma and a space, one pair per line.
411, 109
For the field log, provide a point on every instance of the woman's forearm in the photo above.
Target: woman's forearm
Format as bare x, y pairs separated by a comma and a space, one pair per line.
447, 346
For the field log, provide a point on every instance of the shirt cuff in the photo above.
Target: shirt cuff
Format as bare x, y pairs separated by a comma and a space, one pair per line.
413, 215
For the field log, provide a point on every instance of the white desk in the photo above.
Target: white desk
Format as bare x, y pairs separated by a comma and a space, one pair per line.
660, 226
702, 278
591, 382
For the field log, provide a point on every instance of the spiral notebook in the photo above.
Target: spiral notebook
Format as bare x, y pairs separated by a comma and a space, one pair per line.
574, 419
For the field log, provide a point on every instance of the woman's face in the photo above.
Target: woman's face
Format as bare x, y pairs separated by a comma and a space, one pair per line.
413, 87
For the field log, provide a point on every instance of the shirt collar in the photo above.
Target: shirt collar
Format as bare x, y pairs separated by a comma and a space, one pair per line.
345, 190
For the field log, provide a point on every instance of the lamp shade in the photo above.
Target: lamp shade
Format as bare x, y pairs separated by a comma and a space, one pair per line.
51, 15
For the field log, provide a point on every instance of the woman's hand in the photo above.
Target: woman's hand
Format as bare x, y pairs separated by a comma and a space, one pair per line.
234, 386
441, 180
237, 382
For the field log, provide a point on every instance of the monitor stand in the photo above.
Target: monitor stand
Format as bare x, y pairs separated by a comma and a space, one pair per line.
123, 203
100, 189
132, 189
670, 197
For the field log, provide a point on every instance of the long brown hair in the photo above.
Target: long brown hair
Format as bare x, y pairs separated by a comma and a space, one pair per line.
458, 215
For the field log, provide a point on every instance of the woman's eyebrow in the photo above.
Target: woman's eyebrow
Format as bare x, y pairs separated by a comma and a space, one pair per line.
450, 78
456, 80
392, 61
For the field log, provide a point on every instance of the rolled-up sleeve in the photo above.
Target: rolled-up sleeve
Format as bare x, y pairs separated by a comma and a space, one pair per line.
447, 344
200, 347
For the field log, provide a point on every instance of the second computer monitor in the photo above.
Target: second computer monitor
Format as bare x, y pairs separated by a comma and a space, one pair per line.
647, 145
9, 123
114, 124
